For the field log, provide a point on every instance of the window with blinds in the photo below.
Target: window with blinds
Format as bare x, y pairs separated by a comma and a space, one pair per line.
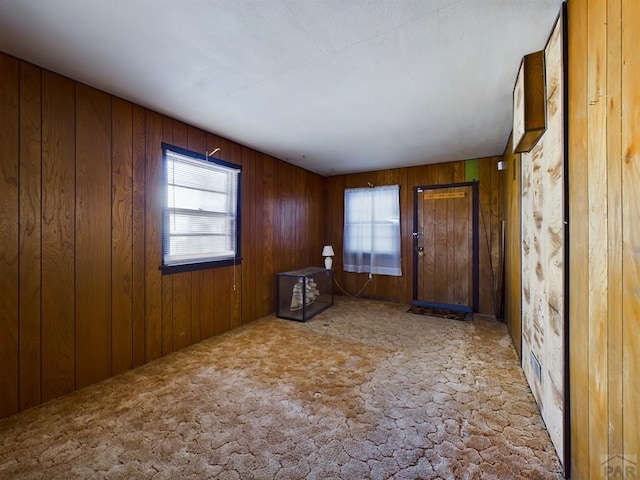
201, 213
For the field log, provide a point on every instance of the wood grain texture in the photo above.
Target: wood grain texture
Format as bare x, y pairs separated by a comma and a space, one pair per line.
543, 262
630, 172
532, 111
496, 250
30, 234
268, 215
122, 236
614, 227
598, 231
485, 227
9, 234
138, 232
153, 236
513, 246
86, 209
445, 271
604, 108
93, 236
222, 318
249, 234
58, 236
579, 238
441, 269
261, 307
182, 309
167, 314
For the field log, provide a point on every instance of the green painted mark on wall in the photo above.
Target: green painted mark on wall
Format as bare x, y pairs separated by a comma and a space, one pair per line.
471, 170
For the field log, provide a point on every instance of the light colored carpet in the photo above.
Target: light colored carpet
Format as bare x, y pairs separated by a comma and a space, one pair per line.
363, 390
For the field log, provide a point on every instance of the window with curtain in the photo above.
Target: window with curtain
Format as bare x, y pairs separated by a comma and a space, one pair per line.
372, 230
201, 214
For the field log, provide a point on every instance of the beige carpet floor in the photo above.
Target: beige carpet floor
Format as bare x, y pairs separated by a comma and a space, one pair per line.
362, 390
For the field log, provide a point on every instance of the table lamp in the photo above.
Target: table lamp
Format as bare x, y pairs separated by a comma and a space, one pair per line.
327, 253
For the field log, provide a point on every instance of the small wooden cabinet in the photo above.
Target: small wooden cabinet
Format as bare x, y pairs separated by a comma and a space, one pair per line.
303, 293
529, 103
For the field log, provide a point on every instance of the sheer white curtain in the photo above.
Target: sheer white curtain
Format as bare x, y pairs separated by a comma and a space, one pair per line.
372, 230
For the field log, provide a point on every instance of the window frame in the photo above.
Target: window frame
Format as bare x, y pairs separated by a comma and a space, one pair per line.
196, 265
385, 259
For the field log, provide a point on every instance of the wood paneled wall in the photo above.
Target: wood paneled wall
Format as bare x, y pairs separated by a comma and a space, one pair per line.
604, 204
510, 189
82, 297
400, 289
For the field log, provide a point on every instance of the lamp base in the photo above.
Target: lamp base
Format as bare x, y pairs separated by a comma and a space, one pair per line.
328, 263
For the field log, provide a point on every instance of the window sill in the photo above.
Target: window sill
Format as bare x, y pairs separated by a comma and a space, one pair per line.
194, 267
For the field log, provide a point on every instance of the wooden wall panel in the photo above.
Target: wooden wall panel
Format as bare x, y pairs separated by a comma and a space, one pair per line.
614, 227
630, 172
222, 320
604, 114
30, 234
138, 232
58, 236
93, 236
578, 174
259, 205
80, 248
486, 226
182, 309
496, 242
598, 244
510, 179
399, 289
250, 234
268, 215
122, 236
9, 235
153, 236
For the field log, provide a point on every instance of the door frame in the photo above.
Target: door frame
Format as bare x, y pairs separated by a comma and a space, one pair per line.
474, 240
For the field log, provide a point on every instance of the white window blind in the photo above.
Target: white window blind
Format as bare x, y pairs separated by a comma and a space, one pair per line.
372, 230
201, 214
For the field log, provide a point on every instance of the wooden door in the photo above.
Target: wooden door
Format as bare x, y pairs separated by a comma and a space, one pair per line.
445, 246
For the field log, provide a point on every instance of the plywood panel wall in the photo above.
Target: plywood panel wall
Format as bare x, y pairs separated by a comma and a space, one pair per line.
604, 174
400, 289
543, 252
80, 245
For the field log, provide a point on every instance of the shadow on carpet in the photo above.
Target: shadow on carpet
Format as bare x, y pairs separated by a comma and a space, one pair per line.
440, 312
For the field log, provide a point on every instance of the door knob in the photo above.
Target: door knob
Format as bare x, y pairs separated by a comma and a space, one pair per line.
420, 251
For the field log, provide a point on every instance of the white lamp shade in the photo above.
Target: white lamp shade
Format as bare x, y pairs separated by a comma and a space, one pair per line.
327, 251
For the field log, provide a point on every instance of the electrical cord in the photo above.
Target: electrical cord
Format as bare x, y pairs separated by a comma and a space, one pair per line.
349, 294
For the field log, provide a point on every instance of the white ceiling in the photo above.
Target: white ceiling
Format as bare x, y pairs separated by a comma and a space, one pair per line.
334, 86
